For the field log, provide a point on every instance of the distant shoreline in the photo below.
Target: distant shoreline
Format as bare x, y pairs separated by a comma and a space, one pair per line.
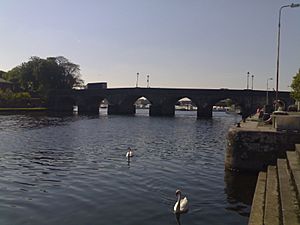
22, 109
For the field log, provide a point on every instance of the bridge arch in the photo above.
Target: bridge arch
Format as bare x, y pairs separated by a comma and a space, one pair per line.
185, 104
90, 104
239, 105
126, 105
142, 105
103, 106
164, 105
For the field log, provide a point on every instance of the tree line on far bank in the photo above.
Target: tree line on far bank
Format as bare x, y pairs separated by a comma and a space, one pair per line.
38, 76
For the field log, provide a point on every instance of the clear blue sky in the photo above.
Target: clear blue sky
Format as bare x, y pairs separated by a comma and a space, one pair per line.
180, 43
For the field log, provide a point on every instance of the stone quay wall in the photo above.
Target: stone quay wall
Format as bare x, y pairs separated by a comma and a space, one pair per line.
252, 147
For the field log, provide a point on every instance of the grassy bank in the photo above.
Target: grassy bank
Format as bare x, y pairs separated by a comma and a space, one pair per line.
22, 109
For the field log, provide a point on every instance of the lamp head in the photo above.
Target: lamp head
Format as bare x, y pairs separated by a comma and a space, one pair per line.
293, 5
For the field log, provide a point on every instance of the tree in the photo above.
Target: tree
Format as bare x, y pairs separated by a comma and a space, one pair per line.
295, 93
2, 73
41, 75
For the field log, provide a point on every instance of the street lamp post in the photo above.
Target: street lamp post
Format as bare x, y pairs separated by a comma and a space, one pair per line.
248, 80
148, 81
278, 45
267, 97
137, 79
252, 76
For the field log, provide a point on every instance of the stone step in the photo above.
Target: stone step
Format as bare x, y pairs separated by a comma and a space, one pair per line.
294, 166
258, 203
272, 212
287, 196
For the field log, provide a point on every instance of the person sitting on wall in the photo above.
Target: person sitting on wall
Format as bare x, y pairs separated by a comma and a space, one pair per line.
279, 105
261, 114
257, 110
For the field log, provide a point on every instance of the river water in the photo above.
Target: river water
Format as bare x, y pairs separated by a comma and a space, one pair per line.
72, 170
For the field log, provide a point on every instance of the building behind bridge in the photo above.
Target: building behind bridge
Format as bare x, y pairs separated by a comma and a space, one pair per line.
99, 85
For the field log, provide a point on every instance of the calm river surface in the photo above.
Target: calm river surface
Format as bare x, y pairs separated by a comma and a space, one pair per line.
72, 170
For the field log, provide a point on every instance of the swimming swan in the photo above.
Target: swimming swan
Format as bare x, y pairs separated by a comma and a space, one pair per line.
181, 206
129, 153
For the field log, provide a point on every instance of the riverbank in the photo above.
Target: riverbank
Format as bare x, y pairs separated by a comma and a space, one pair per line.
23, 109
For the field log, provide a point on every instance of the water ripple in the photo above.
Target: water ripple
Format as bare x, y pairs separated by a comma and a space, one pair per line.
73, 170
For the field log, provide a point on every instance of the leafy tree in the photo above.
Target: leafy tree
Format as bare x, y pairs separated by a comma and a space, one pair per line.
41, 75
2, 73
295, 93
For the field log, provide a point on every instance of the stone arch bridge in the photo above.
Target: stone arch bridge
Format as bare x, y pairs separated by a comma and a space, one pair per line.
121, 100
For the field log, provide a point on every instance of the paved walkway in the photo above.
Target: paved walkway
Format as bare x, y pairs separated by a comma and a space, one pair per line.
253, 124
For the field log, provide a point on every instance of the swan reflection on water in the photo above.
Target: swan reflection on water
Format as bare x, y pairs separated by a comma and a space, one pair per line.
128, 161
177, 215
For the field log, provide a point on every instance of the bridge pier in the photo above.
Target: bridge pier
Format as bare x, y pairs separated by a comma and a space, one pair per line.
88, 105
204, 111
121, 110
162, 110
88, 108
60, 105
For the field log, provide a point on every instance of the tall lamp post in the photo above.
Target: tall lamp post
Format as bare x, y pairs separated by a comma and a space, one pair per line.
267, 97
137, 79
252, 76
248, 80
293, 5
148, 86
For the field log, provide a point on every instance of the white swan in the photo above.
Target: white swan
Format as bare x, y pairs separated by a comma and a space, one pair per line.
181, 206
129, 153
